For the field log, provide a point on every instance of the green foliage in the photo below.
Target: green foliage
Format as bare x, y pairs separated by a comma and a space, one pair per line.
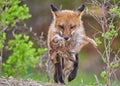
114, 65
36, 75
11, 10
111, 33
2, 39
103, 74
97, 40
115, 1
23, 58
83, 79
115, 10
104, 59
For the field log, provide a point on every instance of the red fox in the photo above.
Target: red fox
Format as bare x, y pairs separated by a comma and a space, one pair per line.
66, 33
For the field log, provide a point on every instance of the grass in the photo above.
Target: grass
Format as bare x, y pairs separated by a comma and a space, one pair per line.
82, 79
37, 76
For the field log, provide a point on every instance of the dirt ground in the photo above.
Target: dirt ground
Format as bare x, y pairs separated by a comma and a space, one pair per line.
20, 82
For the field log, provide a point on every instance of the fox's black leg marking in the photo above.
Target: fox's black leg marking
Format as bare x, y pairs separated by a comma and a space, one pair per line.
74, 71
56, 73
58, 76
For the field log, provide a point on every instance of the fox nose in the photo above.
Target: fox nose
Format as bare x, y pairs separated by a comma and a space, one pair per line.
66, 38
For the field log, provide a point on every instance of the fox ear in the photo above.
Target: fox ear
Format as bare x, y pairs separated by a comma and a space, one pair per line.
53, 8
80, 11
81, 8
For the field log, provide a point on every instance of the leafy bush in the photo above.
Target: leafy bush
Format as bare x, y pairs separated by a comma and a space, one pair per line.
23, 58
107, 34
11, 10
2, 39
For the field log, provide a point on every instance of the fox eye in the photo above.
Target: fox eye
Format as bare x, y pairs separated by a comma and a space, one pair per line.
61, 26
72, 27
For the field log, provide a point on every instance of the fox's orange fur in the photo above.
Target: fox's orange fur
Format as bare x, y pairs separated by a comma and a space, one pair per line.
66, 37
67, 23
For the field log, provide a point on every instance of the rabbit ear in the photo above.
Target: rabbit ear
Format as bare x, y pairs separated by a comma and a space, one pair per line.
53, 8
81, 8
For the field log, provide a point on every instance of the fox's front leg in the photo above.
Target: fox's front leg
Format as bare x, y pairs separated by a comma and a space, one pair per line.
77, 48
87, 39
84, 41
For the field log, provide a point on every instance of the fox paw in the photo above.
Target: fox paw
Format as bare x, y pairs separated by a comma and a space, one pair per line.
93, 42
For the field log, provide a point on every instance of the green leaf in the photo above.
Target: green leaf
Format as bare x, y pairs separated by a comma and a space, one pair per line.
114, 65
97, 40
103, 74
13, 11
104, 59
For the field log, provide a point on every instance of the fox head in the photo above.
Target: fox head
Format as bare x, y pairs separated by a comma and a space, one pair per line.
67, 21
